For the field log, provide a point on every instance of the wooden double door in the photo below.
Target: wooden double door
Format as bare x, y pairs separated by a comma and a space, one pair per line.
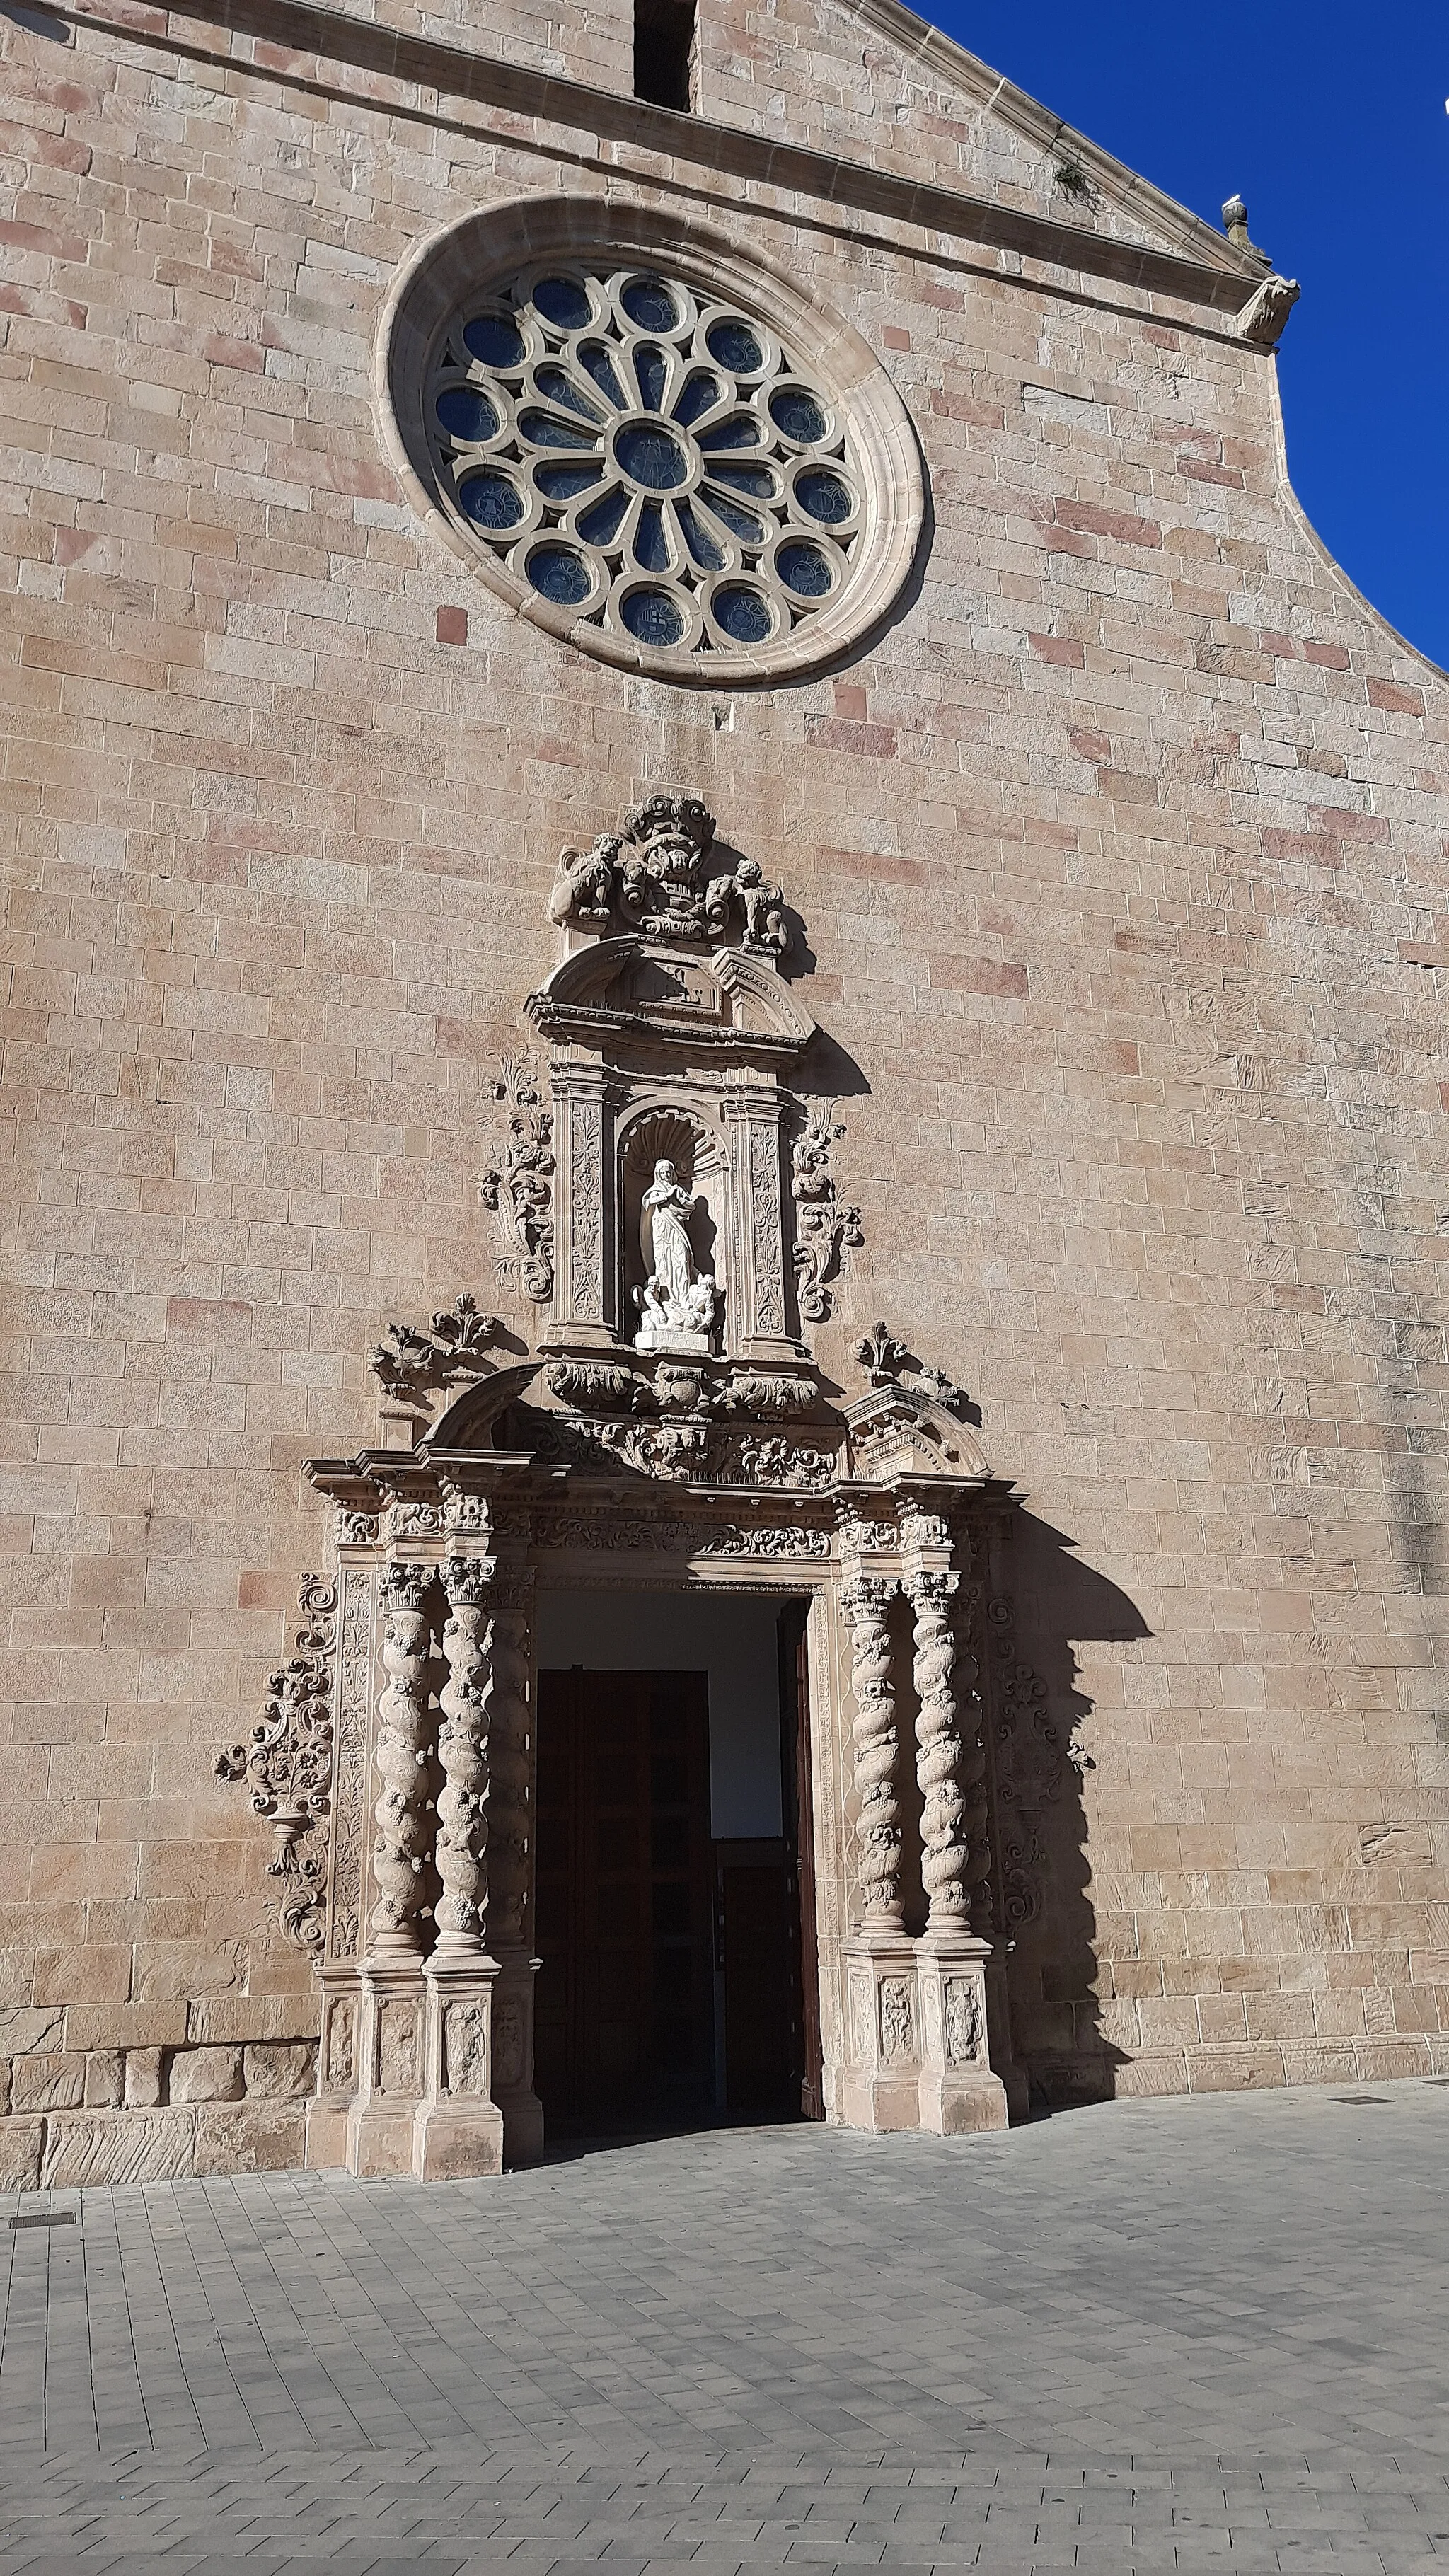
669, 1962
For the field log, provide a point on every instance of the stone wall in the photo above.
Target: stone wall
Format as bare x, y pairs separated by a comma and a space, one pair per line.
143, 2114
1122, 856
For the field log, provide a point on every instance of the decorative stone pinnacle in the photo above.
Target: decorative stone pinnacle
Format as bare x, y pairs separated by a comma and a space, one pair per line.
408, 1362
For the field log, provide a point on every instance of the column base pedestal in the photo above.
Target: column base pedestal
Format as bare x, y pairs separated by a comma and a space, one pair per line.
959, 2092
916, 2035
513, 2059
458, 2128
325, 2148
390, 2068
879, 2085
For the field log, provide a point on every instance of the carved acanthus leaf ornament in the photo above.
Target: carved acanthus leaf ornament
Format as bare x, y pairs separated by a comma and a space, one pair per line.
518, 1185
409, 1362
827, 1230
288, 1765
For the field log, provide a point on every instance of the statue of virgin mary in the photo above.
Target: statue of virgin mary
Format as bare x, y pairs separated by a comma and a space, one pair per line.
679, 1297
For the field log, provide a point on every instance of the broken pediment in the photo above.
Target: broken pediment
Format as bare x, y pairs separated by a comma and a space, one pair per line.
730, 1001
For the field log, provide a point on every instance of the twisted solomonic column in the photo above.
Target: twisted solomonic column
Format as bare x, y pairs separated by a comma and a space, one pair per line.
945, 1856
865, 1604
976, 1797
462, 1844
401, 1812
511, 1763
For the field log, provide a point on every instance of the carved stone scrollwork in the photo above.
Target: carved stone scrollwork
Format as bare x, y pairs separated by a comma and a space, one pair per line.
783, 1462
939, 1758
518, 1185
773, 1397
407, 1362
400, 1851
865, 1603
653, 876
288, 1763
827, 1231
599, 1387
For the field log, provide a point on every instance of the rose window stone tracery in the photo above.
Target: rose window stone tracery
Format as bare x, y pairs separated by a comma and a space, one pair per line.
650, 459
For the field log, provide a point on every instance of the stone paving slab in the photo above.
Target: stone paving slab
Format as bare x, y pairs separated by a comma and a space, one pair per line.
1202, 2335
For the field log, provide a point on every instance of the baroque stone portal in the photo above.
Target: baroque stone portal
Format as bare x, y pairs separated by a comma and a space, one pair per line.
670, 1428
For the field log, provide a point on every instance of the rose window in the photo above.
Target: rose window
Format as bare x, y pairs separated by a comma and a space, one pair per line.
646, 460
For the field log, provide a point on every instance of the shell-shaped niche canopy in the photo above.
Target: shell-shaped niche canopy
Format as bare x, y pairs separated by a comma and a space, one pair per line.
667, 1135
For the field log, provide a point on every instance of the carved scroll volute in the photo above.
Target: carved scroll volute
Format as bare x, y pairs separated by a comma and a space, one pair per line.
461, 1851
944, 1852
401, 1850
865, 1605
288, 1766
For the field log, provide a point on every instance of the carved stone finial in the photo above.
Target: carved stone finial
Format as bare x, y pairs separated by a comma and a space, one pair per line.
407, 1362
888, 1362
880, 1355
652, 876
1235, 222
826, 1229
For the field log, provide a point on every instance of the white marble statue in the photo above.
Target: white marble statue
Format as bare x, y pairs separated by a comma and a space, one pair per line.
678, 1298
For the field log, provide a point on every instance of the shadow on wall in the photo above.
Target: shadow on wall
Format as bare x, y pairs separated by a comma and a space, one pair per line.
1041, 1602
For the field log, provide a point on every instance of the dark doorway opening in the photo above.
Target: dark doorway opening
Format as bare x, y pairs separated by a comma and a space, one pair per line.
624, 2008
664, 33
678, 1985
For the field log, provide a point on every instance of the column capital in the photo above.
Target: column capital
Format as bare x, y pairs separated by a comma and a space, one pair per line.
467, 1579
405, 1586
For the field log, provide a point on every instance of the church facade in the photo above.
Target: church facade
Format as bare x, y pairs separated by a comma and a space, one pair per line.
728, 1355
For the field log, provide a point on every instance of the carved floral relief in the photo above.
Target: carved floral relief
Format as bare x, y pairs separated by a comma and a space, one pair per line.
827, 1230
518, 1184
288, 1765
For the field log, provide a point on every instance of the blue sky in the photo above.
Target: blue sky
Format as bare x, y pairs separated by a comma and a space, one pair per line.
1330, 120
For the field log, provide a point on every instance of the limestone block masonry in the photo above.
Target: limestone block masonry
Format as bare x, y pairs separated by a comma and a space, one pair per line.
1080, 887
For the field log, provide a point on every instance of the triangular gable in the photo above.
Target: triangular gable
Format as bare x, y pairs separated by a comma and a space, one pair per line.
872, 82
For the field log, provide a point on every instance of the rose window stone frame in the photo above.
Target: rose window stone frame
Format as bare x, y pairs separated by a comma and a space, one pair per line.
648, 442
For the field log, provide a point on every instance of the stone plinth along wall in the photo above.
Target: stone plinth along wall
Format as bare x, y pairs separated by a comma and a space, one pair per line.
1121, 845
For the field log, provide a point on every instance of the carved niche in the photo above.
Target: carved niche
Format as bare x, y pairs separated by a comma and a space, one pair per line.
694, 1213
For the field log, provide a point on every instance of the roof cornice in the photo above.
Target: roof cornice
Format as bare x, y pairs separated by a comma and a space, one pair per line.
1224, 284
948, 62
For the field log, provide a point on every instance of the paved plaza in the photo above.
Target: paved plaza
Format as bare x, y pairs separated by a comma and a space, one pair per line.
1204, 2334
